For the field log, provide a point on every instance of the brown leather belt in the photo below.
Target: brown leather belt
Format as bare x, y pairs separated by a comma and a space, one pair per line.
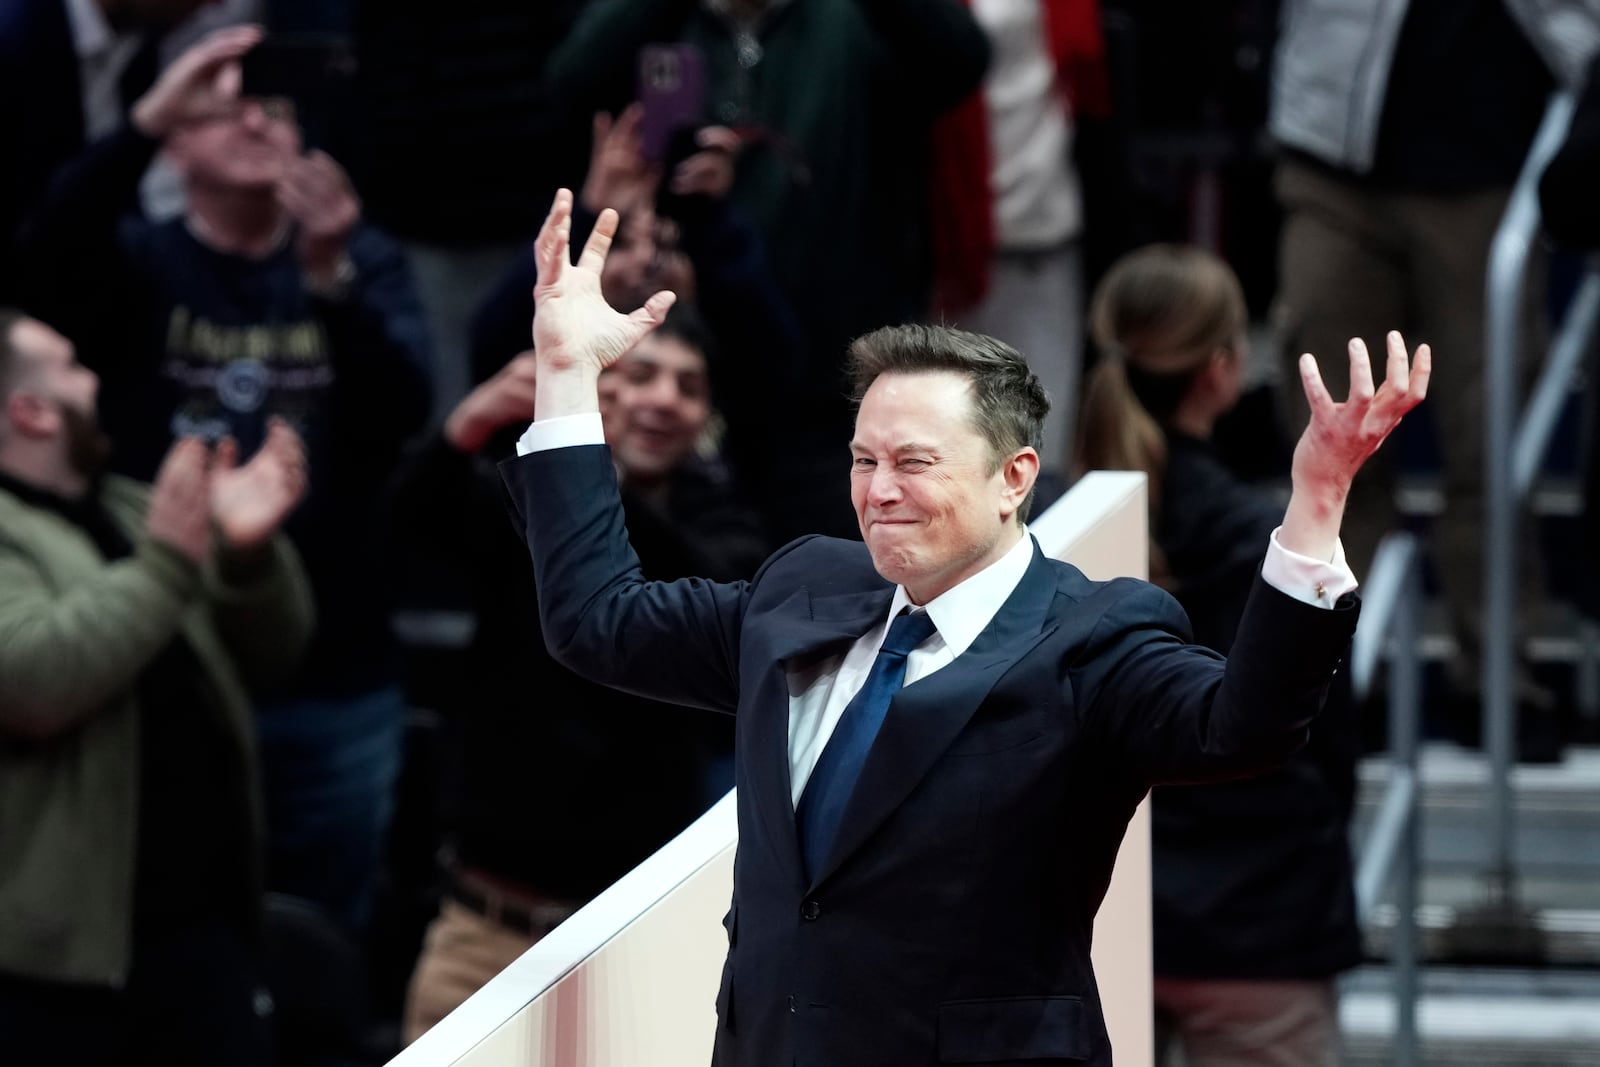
519, 910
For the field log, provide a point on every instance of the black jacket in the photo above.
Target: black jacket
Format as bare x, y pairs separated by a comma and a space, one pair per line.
1252, 879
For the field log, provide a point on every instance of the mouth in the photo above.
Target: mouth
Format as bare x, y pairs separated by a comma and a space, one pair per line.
655, 439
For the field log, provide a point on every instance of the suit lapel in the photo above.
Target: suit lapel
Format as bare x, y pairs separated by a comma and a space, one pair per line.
806, 628
926, 716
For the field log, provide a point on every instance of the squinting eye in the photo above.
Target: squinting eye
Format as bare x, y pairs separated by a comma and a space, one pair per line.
862, 463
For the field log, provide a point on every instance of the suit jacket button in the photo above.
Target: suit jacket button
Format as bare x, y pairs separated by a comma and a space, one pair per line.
810, 910
791, 1004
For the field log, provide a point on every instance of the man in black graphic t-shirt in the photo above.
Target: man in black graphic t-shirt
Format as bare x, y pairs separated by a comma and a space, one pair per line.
267, 298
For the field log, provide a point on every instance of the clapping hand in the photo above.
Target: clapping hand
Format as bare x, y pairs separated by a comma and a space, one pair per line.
249, 503
179, 515
317, 194
709, 171
619, 176
506, 399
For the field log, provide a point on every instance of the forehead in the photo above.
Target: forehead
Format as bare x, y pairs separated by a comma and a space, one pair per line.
928, 408
38, 342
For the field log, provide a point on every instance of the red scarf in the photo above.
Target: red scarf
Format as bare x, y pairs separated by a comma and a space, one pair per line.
963, 202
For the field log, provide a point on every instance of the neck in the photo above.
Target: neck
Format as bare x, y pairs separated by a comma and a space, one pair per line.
1193, 420
240, 222
42, 468
923, 593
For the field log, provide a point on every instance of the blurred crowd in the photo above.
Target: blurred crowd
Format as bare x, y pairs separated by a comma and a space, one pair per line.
285, 770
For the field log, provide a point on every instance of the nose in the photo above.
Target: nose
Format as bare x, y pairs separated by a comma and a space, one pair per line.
661, 393
884, 486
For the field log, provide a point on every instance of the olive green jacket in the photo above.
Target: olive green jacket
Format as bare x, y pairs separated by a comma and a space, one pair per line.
76, 632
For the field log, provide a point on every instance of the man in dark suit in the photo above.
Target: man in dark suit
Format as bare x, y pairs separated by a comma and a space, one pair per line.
918, 870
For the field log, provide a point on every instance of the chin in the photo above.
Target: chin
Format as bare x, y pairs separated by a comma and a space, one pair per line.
896, 564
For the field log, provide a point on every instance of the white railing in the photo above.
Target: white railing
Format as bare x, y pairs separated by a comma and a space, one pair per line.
1389, 608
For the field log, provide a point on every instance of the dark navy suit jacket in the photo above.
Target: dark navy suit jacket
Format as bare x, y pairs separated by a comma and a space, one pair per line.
952, 921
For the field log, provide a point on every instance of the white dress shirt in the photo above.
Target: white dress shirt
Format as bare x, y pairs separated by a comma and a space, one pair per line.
819, 693
1037, 202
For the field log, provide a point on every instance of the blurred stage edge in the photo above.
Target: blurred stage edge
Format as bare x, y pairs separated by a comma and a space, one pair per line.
631, 979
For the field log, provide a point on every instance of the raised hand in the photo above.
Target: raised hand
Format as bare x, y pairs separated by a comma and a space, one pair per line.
575, 332
179, 514
619, 176
317, 194
201, 84
709, 171
507, 398
1341, 436
249, 503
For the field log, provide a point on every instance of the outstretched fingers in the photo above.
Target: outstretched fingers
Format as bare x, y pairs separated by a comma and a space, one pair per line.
550, 247
1421, 372
1397, 375
599, 242
654, 311
1317, 395
1361, 387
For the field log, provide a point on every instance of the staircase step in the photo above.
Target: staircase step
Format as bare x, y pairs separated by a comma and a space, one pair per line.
1478, 1016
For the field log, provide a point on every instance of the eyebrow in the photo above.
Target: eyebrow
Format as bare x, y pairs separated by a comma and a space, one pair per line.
907, 446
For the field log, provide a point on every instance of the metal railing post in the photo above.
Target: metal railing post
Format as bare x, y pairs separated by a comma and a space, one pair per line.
1405, 703
1506, 281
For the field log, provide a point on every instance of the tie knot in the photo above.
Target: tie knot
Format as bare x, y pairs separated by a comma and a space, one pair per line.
907, 632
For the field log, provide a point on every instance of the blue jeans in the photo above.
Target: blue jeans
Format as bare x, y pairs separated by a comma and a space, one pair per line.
329, 769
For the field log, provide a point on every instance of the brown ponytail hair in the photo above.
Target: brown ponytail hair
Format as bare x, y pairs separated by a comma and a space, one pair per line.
1158, 317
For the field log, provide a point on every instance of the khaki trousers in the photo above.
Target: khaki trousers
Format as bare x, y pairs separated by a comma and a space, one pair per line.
461, 951
1246, 1023
1358, 262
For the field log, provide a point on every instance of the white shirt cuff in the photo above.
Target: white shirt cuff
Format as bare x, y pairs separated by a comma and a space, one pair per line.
1310, 581
563, 432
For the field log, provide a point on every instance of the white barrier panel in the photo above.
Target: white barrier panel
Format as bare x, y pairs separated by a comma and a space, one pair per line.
631, 979
1101, 527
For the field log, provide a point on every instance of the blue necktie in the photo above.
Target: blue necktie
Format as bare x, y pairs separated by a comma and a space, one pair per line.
828, 789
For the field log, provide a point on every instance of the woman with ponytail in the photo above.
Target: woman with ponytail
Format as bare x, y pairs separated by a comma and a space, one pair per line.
1254, 906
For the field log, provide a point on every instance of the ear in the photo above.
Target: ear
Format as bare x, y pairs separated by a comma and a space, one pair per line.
30, 415
1018, 474
1217, 373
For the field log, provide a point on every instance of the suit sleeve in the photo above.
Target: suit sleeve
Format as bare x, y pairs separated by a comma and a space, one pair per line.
672, 641
1175, 712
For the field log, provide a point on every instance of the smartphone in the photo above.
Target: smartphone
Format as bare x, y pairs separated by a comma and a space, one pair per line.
672, 90
307, 68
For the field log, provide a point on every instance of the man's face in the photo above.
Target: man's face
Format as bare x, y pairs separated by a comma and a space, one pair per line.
657, 403
930, 501
50, 371
245, 150
644, 259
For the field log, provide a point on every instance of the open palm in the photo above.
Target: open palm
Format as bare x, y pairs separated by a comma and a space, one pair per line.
250, 502
1342, 436
573, 326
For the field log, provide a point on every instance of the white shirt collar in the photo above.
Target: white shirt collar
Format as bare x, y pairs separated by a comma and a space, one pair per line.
960, 613
91, 33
